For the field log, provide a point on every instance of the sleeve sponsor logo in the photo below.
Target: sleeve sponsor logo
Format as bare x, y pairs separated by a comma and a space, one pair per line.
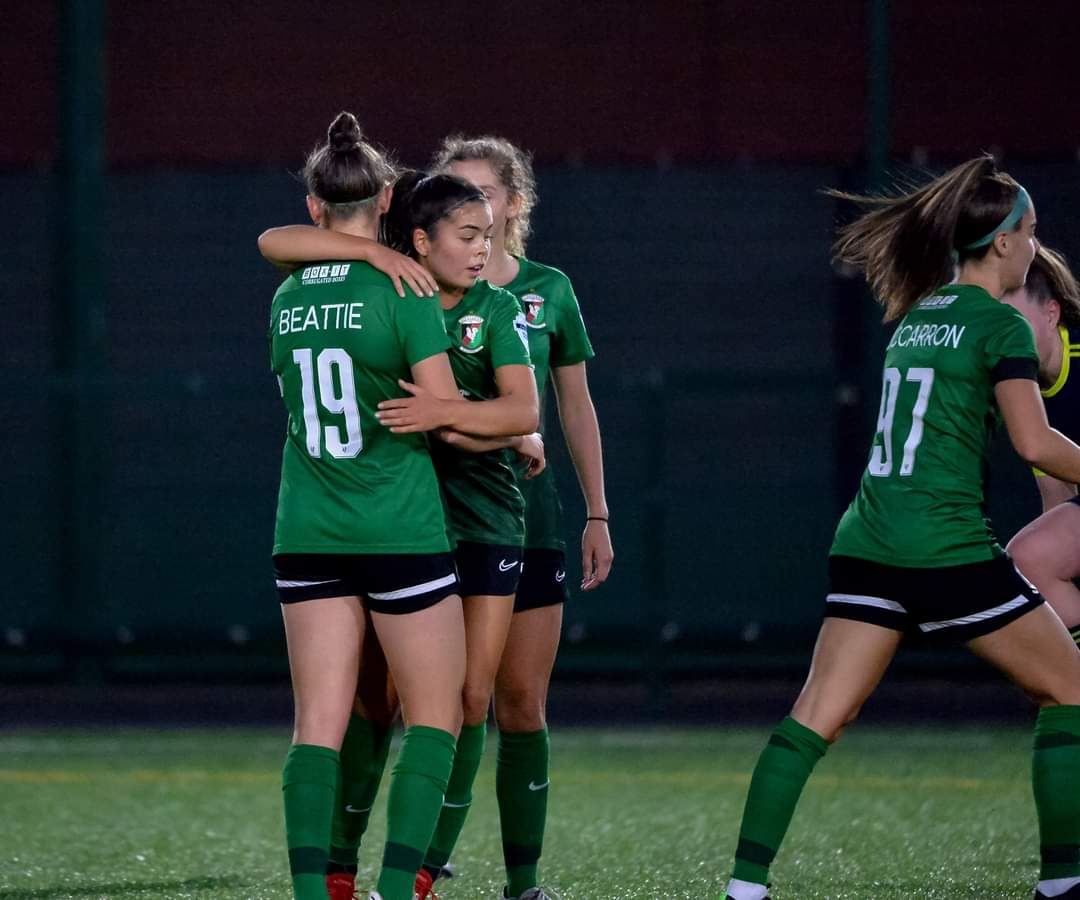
521, 329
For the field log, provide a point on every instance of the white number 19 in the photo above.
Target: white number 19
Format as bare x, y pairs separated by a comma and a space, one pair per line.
339, 403
881, 459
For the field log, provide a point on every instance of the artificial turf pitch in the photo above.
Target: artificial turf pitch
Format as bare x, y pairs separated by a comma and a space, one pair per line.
635, 813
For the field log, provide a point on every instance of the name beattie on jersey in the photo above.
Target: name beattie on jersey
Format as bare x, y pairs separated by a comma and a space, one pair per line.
323, 317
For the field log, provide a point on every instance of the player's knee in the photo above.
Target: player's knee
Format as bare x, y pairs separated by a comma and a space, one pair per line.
1030, 554
475, 701
519, 709
319, 726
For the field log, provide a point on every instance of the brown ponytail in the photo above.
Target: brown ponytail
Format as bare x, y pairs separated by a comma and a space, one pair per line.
907, 244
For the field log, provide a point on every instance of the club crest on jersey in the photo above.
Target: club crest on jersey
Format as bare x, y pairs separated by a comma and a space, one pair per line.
534, 310
472, 338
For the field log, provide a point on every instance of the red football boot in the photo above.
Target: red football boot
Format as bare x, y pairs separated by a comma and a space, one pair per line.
424, 886
341, 886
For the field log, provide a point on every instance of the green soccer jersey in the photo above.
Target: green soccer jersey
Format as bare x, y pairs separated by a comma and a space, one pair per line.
340, 338
557, 337
920, 503
483, 503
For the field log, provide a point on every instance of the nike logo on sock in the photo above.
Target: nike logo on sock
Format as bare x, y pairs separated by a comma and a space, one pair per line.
456, 805
560, 576
533, 786
505, 566
353, 809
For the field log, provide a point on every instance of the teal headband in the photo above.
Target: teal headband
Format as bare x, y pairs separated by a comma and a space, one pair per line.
1021, 205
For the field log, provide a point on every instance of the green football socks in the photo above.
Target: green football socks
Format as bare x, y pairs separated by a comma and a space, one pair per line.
308, 783
1074, 633
779, 776
455, 808
521, 788
1055, 778
363, 759
417, 786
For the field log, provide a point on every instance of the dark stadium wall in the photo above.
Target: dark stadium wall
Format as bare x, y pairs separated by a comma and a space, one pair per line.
713, 380
203, 83
680, 160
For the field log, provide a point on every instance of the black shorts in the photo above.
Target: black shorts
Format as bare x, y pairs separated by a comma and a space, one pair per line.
387, 583
543, 582
955, 603
491, 570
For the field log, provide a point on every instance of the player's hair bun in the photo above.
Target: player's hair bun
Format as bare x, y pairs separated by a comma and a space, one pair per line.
344, 134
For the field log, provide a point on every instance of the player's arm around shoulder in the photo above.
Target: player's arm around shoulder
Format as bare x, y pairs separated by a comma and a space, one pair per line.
290, 246
513, 412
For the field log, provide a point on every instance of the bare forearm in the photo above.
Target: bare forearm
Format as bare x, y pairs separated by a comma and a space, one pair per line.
470, 443
1054, 492
503, 416
1056, 455
305, 243
582, 432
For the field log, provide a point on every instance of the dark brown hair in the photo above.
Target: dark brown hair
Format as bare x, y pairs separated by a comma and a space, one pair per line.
1050, 278
423, 201
908, 243
346, 172
512, 166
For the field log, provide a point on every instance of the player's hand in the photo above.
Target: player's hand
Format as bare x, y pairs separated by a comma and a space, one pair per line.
530, 448
401, 268
423, 411
596, 554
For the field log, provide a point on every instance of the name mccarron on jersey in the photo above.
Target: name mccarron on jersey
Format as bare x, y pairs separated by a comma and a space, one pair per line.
939, 335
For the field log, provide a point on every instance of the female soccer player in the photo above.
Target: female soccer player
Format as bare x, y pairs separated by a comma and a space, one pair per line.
559, 345
1048, 550
443, 221
913, 550
346, 535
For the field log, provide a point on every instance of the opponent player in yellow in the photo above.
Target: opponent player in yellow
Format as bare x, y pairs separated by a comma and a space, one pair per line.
1048, 550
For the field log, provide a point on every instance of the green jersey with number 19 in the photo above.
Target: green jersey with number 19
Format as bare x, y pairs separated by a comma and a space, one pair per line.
340, 338
921, 501
483, 502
